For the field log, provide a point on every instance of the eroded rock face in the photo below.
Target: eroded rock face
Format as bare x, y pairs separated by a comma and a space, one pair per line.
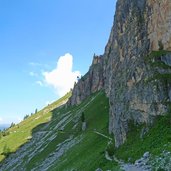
159, 23
90, 83
132, 98
140, 27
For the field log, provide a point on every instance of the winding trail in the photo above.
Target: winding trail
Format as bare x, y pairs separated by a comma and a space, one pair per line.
102, 135
124, 166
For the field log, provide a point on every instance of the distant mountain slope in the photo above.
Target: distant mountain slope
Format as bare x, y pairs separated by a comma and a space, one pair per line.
4, 126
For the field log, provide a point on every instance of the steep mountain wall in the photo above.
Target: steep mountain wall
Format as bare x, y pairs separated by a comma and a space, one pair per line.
159, 23
136, 32
139, 28
90, 83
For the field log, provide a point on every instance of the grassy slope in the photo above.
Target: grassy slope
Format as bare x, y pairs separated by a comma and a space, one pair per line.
22, 132
158, 138
89, 154
155, 141
82, 156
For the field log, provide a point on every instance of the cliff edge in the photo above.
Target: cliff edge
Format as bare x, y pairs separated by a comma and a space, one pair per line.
140, 28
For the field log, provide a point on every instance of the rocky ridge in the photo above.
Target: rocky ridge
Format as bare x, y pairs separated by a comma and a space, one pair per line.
139, 28
90, 83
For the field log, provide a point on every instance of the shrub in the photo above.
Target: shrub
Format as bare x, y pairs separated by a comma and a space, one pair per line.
110, 149
12, 125
82, 117
6, 151
161, 47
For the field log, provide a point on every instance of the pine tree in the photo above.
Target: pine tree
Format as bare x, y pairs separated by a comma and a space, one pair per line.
6, 150
82, 117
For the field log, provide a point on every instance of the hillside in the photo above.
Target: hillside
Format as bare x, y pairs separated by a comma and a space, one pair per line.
22, 132
55, 140
118, 116
60, 143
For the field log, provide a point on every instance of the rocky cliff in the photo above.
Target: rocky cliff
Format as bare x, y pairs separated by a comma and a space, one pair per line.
90, 83
124, 71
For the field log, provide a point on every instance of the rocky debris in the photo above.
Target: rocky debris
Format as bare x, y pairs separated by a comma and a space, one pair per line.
41, 139
98, 169
139, 165
161, 162
130, 167
64, 121
84, 126
60, 150
107, 157
142, 162
144, 131
146, 155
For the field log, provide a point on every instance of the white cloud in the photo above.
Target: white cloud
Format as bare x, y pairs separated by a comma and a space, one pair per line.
33, 74
39, 83
62, 78
35, 64
7, 120
38, 65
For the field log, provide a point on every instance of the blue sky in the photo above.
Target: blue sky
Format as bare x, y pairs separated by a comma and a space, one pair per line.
34, 36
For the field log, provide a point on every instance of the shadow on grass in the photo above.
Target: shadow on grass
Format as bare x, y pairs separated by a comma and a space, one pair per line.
54, 109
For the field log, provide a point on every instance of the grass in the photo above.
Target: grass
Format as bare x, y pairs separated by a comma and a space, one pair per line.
88, 154
155, 141
161, 71
22, 132
154, 59
156, 54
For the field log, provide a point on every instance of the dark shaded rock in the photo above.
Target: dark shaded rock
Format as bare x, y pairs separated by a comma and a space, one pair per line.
123, 71
99, 169
90, 83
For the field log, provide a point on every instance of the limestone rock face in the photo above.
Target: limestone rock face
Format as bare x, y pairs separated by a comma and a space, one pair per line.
131, 97
140, 27
90, 83
159, 23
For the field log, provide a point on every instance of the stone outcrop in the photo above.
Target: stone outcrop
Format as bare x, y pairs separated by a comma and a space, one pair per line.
90, 83
131, 96
159, 23
140, 27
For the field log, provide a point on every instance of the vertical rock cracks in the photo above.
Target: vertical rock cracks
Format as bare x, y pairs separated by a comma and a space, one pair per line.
140, 27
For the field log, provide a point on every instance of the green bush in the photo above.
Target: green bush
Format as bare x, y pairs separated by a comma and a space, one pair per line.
82, 117
110, 149
6, 151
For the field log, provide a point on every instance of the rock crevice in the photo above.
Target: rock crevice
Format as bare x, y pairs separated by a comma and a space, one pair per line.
139, 28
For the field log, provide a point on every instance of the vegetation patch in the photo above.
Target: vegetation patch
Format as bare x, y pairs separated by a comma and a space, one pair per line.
156, 54
89, 154
154, 141
19, 134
